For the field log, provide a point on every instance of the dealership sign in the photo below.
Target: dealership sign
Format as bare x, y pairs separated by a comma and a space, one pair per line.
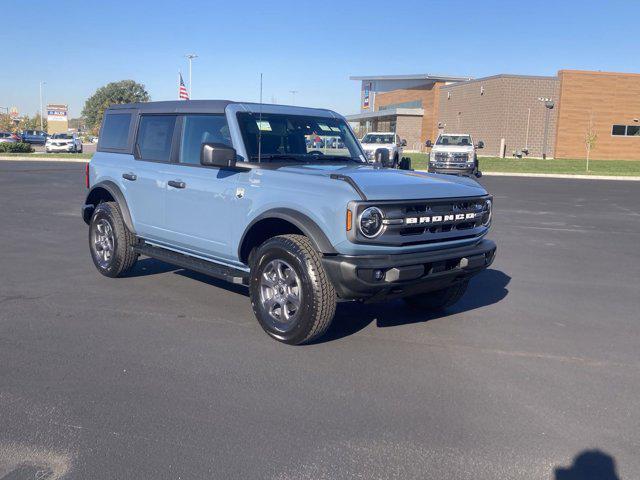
366, 95
56, 113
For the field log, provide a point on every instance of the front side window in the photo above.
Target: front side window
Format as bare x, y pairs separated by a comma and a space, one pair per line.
377, 138
291, 138
155, 135
115, 131
199, 129
455, 140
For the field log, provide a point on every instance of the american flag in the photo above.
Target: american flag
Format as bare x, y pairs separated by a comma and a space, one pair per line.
182, 90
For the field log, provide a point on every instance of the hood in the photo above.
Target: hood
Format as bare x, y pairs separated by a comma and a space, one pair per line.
452, 148
391, 184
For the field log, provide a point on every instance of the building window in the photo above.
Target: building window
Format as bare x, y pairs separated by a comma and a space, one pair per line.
411, 104
625, 130
633, 130
618, 130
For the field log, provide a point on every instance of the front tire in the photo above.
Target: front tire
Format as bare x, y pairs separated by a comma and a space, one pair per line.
291, 294
110, 241
439, 299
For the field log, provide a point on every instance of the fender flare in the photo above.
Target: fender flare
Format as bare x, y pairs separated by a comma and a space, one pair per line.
117, 195
305, 224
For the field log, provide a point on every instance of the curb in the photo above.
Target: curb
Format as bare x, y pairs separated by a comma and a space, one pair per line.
563, 175
559, 175
43, 159
487, 174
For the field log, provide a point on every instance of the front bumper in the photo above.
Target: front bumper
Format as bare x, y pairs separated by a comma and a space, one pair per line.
381, 277
60, 148
451, 170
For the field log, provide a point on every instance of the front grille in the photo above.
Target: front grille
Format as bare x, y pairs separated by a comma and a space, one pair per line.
431, 221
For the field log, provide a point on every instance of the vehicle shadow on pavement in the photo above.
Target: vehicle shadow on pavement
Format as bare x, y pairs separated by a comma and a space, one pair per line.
589, 465
151, 266
486, 288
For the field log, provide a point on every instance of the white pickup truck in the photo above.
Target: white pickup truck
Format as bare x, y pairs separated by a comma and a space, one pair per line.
454, 153
389, 141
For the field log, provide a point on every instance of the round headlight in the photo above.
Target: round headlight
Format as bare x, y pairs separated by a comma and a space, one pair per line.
486, 217
371, 222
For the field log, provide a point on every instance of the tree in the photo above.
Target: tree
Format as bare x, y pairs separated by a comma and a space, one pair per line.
590, 139
124, 91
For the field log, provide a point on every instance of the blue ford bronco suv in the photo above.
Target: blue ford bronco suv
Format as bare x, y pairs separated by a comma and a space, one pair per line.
246, 192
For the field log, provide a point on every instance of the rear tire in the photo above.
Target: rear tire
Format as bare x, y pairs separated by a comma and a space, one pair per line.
110, 241
439, 299
291, 294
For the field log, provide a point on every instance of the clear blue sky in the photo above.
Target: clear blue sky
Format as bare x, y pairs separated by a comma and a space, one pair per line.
311, 47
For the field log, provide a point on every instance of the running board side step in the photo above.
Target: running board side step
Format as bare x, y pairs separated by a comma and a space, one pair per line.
223, 272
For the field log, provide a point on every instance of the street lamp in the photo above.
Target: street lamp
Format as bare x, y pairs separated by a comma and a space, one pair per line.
293, 96
190, 57
549, 104
41, 114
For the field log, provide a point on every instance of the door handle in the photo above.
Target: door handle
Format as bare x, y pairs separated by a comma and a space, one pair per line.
130, 176
176, 184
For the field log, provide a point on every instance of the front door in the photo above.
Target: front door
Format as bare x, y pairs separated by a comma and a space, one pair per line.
200, 200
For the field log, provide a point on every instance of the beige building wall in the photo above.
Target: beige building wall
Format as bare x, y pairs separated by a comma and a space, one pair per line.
602, 99
503, 106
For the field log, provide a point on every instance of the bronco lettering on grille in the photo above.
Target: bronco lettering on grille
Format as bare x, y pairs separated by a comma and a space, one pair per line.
454, 217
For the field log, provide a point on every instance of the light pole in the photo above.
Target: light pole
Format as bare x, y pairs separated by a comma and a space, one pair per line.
41, 119
293, 96
548, 104
190, 57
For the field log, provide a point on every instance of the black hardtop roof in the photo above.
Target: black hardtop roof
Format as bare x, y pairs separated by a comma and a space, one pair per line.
176, 106
194, 106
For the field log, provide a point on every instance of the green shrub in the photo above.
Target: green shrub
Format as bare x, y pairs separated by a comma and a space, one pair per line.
18, 147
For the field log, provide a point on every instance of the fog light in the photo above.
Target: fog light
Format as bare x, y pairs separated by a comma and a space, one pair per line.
378, 274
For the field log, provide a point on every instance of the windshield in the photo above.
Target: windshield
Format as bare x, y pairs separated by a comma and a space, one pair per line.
455, 140
377, 138
297, 138
62, 135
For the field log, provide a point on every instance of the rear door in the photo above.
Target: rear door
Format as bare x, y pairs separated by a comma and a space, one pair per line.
201, 200
146, 177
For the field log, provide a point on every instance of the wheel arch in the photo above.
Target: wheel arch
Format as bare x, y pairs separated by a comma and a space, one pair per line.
281, 221
106, 191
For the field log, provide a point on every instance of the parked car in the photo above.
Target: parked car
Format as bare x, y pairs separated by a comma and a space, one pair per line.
36, 137
454, 153
63, 142
7, 137
229, 189
379, 141
93, 139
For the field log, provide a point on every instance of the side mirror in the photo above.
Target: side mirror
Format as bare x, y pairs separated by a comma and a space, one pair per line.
428, 144
217, 155
382, 156
403, 143
480, 144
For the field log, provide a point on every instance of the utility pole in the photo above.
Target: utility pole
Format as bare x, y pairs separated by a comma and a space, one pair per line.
190, 57
41, 114
293, 95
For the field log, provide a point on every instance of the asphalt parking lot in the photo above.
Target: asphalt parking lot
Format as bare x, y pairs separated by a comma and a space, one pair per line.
166, 374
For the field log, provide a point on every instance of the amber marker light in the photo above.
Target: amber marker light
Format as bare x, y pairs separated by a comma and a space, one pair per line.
349, 220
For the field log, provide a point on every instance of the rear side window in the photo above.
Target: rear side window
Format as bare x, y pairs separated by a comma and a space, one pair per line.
115, 131
155, 135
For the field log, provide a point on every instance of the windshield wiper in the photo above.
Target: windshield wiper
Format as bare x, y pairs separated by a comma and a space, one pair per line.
341, 157
275, 156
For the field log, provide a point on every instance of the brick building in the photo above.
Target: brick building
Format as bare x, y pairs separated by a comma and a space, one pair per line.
513, 114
